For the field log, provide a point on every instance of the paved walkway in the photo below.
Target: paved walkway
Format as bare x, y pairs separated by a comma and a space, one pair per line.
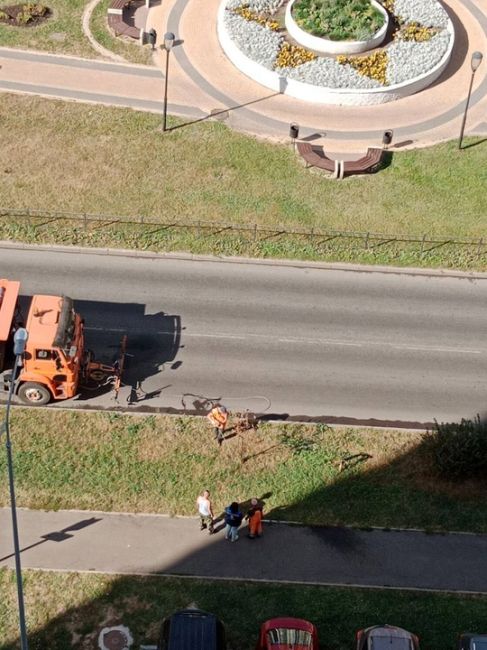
202, 80
154, 544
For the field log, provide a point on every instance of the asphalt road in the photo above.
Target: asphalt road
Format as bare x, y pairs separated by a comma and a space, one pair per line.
278, 339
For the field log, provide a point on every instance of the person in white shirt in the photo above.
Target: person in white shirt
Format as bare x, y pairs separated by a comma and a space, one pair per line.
205, 511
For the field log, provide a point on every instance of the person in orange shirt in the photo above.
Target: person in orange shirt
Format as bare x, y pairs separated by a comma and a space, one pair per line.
254, 517
218, 416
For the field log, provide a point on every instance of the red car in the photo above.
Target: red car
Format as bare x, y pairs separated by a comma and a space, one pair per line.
288, 634
386, 637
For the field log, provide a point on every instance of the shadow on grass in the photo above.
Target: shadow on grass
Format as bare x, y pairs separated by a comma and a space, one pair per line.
474, 144
363, 492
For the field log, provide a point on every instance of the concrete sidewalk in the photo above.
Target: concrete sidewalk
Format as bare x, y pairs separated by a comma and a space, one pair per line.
204, 82
71, 540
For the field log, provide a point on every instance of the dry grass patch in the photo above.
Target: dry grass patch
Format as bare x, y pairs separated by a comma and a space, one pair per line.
62, 33
71, 157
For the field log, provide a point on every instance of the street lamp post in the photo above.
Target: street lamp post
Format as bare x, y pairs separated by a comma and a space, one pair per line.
475, 61
168, 43
20, 340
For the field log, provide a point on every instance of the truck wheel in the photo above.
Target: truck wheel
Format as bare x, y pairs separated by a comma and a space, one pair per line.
32, 393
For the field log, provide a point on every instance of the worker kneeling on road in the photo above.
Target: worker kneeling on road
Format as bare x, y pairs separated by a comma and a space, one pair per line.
218, 416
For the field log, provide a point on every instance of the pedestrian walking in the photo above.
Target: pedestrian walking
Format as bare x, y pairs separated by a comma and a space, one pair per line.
218, 416
203, 503
233, 519
254, 517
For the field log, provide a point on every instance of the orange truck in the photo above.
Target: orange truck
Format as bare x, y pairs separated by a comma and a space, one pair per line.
55, 363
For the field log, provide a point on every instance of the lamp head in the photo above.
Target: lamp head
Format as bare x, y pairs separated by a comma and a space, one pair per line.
476, 60
20, 340
168, 40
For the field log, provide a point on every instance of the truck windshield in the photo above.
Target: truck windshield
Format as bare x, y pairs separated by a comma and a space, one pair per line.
65, 331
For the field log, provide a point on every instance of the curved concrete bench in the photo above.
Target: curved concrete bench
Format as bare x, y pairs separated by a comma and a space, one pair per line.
367, 163
316, 157
117, 12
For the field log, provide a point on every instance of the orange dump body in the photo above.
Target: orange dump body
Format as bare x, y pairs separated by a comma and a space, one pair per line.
9, 294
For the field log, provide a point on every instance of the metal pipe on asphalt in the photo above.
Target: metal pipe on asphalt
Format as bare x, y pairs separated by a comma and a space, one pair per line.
475, 61
168, 43
20, 340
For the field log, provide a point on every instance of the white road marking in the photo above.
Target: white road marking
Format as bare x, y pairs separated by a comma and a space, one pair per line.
299, 340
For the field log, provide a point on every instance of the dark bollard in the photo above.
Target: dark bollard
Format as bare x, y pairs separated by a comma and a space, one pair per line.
152, 37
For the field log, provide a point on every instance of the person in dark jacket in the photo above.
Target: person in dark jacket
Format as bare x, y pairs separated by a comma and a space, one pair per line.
233, 519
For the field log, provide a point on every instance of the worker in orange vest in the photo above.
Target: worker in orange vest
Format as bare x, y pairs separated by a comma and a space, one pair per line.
218, 416
254, 517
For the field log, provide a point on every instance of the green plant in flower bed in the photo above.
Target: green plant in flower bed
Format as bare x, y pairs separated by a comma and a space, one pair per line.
246, 13
23, 14
388, 4
372, 65
338, 20
290, 56
415, 32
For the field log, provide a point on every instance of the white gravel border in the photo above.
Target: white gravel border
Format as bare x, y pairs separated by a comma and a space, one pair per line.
336, 91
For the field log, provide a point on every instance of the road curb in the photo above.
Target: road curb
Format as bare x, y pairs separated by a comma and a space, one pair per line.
191, 257
331, 421
205, 578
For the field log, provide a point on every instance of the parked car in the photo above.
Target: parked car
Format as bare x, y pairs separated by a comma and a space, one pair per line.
192, 629
386, 637
285, 633
472, 642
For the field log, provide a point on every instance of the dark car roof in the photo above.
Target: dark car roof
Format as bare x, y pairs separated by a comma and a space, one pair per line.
193, 629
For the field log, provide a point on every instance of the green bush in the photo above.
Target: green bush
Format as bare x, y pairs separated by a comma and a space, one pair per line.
338, 20
29, 12
459, 448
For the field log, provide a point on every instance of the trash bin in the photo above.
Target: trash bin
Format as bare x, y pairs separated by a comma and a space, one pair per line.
152, 37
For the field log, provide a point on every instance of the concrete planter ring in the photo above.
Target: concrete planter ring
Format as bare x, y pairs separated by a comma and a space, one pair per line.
327, 46
409, 66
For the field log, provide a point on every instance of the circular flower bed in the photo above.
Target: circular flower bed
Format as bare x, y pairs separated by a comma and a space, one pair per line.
335, 42
24, 15
252, 35
338, 20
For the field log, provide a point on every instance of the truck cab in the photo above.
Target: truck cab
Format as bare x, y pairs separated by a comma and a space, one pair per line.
54, 354
53, 361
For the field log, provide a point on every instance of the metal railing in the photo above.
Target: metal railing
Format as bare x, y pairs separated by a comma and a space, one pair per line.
252, 232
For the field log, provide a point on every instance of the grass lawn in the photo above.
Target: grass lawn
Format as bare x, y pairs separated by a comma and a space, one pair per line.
66, 20
105, 461
71, 157
69, 610
62, 33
